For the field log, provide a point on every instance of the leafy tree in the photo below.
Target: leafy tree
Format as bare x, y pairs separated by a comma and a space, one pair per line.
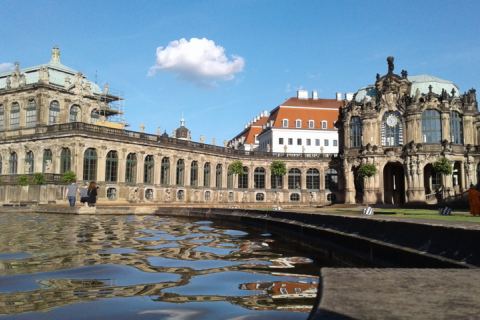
278, 169
236, 167
443, 166
69, 176
23, 180
38, 178
367, 170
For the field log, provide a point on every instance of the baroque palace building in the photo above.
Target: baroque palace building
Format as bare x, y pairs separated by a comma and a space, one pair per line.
54, 120
403, 124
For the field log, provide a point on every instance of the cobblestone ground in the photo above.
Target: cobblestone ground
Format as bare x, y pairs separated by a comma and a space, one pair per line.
400, 294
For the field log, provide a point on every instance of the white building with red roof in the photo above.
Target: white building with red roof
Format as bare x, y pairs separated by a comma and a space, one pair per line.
301, 124
247, 139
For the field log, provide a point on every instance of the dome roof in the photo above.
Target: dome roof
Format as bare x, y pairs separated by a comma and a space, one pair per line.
423, 81
367, 92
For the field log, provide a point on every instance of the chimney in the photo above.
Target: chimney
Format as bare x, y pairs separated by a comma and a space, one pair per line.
302, 94
315, 95
349, 96
339, 96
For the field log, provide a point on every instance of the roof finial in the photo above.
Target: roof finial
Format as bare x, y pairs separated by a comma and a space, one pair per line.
390, 64
182, 121
55, 55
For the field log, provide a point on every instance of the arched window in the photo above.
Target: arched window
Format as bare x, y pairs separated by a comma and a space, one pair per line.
13, 161
94, 116
294, 179
331, 179
355, 132
295, 197
15, 116
29, 163
206, 175
111, 166
131, 168
165, 172
2, 117
313, 179
90, 165
392, 129
47, 160
75, 113
260, 196
243, 179
53, 112
31, 114
431, 126
259, 178
194, 174
180, 172
456, 127
229, 179
148, 168
65, 160
218, 176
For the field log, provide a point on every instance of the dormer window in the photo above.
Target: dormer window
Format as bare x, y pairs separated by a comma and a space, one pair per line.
298, 123
324, 124
311, 124
285, 123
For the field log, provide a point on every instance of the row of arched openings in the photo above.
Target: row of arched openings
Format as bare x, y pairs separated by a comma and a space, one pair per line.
392, 131
65, 161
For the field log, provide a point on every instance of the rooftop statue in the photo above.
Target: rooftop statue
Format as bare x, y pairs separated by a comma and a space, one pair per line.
390, 64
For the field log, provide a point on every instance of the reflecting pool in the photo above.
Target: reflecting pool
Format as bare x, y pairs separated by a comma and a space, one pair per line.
150, 267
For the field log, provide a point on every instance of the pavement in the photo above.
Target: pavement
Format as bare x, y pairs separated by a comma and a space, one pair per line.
352, 293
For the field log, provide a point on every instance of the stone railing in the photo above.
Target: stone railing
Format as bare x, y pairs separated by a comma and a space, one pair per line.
130, 136
13, 179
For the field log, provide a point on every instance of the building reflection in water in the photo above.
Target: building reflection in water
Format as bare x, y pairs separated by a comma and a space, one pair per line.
52, 261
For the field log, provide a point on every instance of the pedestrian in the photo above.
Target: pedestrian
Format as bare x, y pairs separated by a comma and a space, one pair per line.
474, 200
92, 194
71, 193
84, 194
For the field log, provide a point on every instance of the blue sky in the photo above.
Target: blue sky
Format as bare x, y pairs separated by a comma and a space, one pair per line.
271, 48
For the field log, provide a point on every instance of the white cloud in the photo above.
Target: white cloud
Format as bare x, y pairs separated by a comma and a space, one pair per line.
198, 60
6, 66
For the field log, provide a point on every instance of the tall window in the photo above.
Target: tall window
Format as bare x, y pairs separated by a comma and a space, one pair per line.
218, 176
90, 165
311, 124
165, 172
131, 168
259, 178
392, 129
180, 172
298, 123
2, 117
148, 169
47, 159
29, 163
206, 175
285, 123
194, 174
431, 126
355, 132
75, 113
324, 124
13, 162
65, 160
294, 179
111, 166
243, 179
53, 112
456, 127
31, 115
313, 179
15, 116
331, 179
94, 116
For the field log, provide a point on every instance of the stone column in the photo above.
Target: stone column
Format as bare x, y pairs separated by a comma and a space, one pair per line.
201, 173
303, 179
101, 162
446, 135
251, 170
140, 166
77, 151
349, 183
173, 171
268, 178
122, 155
224, 175
157, 168
188, 174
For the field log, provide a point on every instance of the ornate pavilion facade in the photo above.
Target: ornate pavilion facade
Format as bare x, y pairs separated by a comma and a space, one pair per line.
403, 124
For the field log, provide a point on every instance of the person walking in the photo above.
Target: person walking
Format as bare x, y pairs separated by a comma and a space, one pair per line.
92, 194
84, 194
71, 193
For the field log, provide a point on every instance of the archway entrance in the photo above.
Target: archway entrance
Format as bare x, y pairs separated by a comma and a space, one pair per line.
393, 183
358, 182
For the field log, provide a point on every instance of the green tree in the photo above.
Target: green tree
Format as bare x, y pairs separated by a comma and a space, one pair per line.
367, 170
236, 167
278, 169
69, 176
38, 178
443, 166
23, 180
